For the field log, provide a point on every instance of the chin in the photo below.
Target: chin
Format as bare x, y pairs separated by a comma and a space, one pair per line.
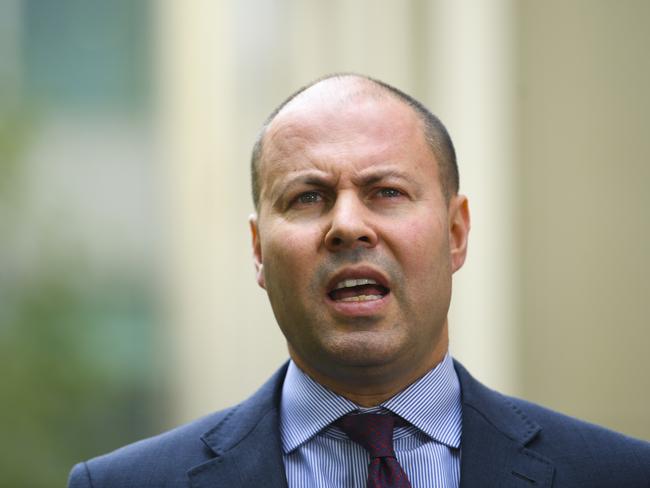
363, 353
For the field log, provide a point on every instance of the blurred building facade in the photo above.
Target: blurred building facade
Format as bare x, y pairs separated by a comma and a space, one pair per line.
128, 297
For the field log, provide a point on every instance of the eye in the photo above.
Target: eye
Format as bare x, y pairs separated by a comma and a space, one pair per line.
389, 193
308, 197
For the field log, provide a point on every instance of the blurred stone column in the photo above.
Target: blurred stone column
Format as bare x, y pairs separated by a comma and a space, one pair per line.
470, 77
197, 140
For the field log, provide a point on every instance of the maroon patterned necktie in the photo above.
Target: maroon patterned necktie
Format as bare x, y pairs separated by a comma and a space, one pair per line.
375, 433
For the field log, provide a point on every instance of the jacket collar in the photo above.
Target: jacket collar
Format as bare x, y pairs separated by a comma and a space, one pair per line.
248, 451
494, 439
246, 443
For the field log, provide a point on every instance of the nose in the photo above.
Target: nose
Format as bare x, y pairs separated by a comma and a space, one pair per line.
350, 225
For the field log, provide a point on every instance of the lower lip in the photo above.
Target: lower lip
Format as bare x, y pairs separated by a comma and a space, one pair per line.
359, 309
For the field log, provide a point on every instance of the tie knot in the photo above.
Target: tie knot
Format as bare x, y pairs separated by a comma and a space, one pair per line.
373, 431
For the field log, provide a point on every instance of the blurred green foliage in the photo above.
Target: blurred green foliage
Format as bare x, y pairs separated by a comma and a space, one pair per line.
76, 379
77, 341
76, 347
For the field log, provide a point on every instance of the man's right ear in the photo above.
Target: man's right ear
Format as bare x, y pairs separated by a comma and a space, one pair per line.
257, 250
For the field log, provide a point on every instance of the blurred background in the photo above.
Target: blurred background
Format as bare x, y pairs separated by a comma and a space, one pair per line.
127, 295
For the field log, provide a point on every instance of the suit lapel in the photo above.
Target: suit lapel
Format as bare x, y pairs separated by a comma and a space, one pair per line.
246, 444
494, 439
248, 451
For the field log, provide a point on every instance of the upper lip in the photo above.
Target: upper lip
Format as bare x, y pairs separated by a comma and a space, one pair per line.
355, 273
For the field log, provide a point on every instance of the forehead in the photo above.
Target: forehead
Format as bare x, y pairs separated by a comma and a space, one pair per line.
332, 125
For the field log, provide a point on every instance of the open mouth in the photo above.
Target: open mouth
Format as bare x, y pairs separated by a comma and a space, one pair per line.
358, 290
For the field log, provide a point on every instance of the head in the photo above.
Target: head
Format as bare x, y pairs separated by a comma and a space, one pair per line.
358, 230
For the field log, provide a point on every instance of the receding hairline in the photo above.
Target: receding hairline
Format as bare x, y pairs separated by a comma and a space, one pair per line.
357, 88
434, 131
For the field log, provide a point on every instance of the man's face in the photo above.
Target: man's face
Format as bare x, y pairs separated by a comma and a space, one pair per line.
354, 241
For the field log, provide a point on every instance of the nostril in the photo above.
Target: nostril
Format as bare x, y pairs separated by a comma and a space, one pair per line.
364, 239
337, 241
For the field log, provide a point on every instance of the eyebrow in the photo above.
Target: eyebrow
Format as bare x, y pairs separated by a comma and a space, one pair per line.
376, 175
310, 178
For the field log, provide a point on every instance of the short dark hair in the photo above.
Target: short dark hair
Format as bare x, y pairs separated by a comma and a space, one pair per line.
434, 131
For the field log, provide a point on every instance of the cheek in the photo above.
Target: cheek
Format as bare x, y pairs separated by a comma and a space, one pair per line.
287, 252
421, 244
422, 252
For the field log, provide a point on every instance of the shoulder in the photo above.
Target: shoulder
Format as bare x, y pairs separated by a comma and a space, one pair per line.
581, 453
581, 439
585, 451
164, 458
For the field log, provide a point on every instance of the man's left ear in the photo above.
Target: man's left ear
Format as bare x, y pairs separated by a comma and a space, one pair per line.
257, 250
459, 224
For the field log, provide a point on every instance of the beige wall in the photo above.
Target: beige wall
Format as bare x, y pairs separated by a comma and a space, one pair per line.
584, 114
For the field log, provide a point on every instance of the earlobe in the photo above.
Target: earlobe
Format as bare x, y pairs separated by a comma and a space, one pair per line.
459, 225
257, 251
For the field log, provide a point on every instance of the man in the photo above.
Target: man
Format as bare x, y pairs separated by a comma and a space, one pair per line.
358, 229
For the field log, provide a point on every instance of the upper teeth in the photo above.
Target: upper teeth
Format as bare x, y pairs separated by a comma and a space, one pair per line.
358, 282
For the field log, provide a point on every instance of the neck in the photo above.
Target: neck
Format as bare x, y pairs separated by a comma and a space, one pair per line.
371, 386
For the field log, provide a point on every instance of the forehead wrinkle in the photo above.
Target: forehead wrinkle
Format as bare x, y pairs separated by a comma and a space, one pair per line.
283, 140
310, 176
282, 145
295, 150
293, 138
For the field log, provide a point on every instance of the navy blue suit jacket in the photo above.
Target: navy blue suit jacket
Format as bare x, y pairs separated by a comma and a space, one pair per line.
505, 443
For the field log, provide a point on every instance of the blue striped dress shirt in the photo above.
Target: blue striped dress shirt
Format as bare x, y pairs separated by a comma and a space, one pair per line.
317, 454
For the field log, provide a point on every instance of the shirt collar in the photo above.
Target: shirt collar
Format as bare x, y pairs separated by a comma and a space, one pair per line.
431, 404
